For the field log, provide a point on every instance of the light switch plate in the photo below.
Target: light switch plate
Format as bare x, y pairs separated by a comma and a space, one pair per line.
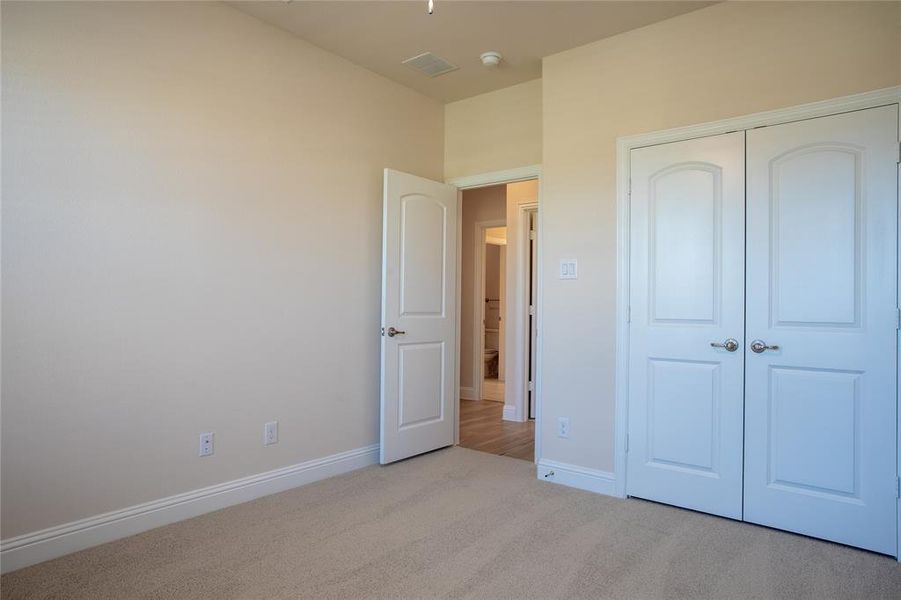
569, 268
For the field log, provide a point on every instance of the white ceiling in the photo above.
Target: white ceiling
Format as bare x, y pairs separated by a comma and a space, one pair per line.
379, 35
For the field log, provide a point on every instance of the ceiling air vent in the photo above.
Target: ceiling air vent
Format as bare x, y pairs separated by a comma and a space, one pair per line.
429, 64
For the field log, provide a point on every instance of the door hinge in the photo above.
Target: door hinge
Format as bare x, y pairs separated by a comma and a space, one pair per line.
898, 320
532, 310
531, 234
899, 153
630, 187
530, 387
897, 487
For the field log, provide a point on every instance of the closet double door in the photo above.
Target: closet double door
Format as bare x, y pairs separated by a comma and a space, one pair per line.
764, 326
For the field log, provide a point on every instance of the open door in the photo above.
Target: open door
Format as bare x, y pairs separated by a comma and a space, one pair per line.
419, 342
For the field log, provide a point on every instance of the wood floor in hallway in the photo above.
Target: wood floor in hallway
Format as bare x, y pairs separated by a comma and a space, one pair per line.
483, 428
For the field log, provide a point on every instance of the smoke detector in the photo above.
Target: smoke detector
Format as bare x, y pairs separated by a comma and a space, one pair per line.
429, 64
491, 58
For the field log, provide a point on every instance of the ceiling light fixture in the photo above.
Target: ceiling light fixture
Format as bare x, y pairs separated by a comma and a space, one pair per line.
431, 6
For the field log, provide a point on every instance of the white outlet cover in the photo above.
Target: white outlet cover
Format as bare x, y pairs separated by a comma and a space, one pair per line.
563, 427
569, 268
206, 444
270, 433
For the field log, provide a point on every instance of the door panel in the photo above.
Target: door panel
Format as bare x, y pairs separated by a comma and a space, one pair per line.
687, 291
820, 437
419, 300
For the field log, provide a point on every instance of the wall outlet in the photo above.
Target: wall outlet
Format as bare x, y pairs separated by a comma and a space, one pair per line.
206, 444
270, 433
563, 427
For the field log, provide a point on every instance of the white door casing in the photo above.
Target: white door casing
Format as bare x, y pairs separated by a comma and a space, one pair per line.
820, 454
502, 322
419, 253
687, 292
533, 311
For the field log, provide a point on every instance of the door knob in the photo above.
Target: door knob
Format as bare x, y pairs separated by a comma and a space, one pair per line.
759, 346
731, 345
393, 332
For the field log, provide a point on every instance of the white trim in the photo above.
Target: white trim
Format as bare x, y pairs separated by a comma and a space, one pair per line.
517, 377
898, 333
467, 393
812, 110
624, 146
458, 282
592, 480
478, 308
539, 352
31, 548
496, 177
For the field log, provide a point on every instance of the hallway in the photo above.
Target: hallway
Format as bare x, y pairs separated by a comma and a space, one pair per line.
482, 428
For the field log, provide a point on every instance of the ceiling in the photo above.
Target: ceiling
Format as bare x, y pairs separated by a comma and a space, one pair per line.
379, 35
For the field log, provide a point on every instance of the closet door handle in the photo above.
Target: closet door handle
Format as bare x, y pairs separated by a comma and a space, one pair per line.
393, 332
731, 345
759, 346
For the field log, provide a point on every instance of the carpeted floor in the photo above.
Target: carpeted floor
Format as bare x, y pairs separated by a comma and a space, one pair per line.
458, 524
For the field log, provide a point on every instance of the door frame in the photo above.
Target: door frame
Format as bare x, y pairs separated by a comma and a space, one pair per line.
624, 146
518, 410
486, 179
478, 320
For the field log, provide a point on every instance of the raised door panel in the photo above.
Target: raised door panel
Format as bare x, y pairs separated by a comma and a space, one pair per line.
822, 181
813, 434
683, 408
421, 373
423, 256
684, 239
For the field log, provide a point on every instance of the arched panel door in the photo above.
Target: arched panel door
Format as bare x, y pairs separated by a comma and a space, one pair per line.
820, 453
687, 324
418, 316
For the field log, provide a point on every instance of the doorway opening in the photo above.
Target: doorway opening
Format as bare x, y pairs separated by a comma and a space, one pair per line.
498, 285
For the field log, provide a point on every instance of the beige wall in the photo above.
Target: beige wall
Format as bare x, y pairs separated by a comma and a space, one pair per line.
727, 60
481, 204
494, 131
172, 177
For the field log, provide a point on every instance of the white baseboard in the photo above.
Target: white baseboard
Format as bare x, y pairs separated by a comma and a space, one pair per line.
510, 413
31, 548
592, 480
467, 393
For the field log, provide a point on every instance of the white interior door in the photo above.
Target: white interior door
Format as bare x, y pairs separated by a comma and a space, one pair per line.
687, 292
533, 309
419, 346
502, 319
820, 454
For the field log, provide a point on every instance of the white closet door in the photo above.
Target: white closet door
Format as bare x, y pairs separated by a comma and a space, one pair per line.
687, 291
820, 439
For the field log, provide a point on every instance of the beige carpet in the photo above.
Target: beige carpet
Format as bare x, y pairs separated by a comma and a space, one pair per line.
458, 524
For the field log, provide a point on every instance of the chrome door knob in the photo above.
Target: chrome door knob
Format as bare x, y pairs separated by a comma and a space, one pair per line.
731, 345
759, 346
393, 332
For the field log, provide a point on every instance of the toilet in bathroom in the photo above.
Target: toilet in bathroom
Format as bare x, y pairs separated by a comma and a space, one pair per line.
490, 358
